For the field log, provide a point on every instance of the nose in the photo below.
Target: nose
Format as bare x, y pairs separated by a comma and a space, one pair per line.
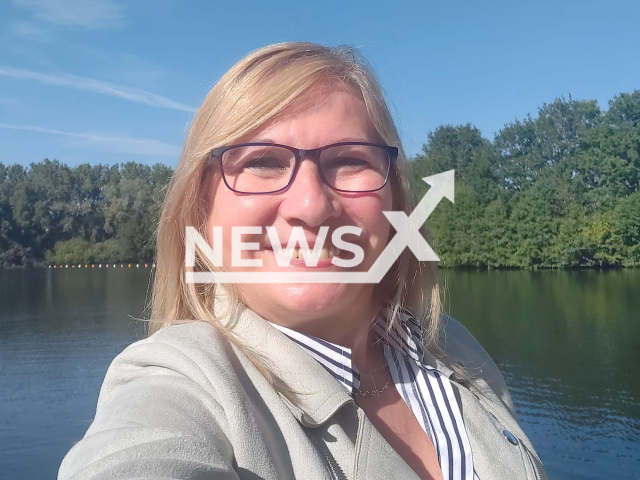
308, 200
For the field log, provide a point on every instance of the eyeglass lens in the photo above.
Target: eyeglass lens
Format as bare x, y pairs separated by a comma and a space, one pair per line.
263, 169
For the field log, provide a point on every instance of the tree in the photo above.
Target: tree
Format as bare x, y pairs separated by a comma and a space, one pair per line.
461, 148
555, 191
534, 145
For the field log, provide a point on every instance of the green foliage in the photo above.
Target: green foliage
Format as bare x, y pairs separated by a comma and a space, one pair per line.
560, 190
79, 250
461, 148
532, 146
88, 214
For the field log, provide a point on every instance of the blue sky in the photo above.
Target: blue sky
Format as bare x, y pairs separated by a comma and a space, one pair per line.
108, 81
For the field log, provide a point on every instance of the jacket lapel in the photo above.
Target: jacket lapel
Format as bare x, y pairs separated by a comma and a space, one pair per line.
308, 390
375, 458
312, 394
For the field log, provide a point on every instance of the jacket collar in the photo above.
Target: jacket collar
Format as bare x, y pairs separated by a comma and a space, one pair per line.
311, 393
336, 359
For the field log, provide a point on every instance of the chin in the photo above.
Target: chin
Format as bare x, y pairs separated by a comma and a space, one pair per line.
307, 298
303, 300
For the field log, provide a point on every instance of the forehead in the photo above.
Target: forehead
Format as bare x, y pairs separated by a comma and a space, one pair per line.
324, 115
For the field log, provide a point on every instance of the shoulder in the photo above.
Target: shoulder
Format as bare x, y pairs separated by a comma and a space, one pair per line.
162, 410
194, 351
180, 342
460, 346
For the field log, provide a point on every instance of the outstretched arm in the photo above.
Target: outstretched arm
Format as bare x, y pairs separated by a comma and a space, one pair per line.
156, 418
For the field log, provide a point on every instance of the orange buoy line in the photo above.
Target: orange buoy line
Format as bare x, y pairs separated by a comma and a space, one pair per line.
106, 265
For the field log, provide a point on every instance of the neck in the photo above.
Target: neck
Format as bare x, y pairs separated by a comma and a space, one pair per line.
366, 354
351, 328
347, 327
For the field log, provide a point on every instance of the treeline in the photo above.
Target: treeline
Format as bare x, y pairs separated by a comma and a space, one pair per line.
52, 213
555, 191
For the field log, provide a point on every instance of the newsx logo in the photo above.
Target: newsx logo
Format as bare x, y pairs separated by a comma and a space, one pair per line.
407, 235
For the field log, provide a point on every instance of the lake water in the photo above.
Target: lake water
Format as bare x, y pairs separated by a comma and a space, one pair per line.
568, 344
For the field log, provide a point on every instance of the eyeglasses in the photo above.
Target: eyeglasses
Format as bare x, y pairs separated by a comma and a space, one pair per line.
260, 168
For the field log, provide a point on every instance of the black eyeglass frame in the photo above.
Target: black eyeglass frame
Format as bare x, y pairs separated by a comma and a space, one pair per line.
299, 154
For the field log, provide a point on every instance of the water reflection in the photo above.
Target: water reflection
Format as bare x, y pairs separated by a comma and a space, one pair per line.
567, 342
569, 346
58, 333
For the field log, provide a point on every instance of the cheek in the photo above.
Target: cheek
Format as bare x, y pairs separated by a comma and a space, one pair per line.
229, 209
368, 215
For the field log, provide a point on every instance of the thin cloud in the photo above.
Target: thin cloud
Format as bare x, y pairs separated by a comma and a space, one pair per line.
31, 32
112, 143
76, 82
8, 101
87, 14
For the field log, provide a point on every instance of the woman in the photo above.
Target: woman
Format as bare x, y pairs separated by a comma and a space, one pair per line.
297, 380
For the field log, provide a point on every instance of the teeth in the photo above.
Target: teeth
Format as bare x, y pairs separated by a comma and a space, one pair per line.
302, 253
307, 254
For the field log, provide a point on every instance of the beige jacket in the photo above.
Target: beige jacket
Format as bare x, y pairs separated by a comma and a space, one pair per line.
185, 403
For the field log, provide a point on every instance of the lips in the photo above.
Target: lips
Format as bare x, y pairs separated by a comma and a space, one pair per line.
296, 258
309, 254
300, 255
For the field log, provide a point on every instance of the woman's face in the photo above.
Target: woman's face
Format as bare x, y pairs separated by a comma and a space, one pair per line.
324, 116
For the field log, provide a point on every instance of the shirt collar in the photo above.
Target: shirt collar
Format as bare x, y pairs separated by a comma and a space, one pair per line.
310, 391
336, 359
405, 337
307, 389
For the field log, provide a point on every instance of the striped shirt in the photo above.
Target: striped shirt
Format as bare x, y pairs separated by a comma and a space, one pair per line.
426, 391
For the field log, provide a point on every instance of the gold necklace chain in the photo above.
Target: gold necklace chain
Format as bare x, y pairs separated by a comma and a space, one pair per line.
374, 391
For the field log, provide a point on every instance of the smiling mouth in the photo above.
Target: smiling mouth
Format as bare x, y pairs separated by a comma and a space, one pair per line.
309, 254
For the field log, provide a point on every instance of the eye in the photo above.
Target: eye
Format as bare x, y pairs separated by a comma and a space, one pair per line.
266, 163
346, 163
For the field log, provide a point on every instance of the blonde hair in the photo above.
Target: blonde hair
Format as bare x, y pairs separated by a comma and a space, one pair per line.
255, 90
